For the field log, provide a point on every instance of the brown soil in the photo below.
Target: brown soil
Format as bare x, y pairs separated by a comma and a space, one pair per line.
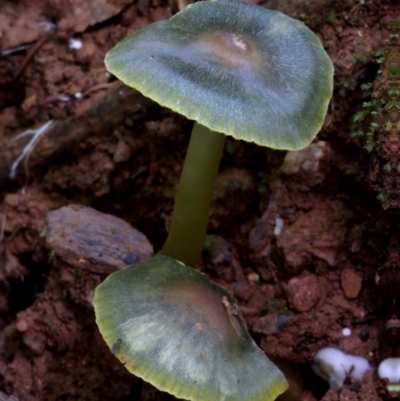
110, 149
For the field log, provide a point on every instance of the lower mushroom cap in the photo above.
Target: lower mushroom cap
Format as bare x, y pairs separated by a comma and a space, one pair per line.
184, 334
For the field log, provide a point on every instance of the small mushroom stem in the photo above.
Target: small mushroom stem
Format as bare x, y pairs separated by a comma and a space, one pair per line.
192, 203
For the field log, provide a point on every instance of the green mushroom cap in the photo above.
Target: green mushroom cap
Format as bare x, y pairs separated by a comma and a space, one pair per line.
176, 329
236, 68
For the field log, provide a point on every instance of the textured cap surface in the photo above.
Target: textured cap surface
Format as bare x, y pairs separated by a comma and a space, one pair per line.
184, 334
234, 67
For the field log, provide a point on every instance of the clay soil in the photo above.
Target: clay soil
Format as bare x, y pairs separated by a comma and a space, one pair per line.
298, 243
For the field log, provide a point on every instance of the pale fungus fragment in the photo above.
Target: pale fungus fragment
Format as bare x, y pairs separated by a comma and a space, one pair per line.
389, 369
346, 331
74, 44
334, 366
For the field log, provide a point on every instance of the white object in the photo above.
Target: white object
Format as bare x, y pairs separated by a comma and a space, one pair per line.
36, 134
390, 369
253, 278
7, 52
346, 331
306, 159
74, 44
334, 366
48, 26
278, 226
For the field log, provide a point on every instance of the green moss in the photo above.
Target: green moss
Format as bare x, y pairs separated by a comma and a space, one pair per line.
382, 196
331, 17
352, 170
211, 242
78, 273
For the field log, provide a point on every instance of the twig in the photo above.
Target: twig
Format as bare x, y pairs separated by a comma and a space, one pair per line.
32, 51
96, 88
7, 52
36, 134
110, 110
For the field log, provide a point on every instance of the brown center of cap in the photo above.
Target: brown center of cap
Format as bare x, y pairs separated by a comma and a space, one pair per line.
211, 309
229, 49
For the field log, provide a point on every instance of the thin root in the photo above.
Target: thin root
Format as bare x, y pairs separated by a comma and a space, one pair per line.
36, 134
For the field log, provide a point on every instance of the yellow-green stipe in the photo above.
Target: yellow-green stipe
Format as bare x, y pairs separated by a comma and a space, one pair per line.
192, 203
183, 333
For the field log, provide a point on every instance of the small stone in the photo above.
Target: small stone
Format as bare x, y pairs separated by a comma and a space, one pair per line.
253, 278
307, 158
267, 324
90, 240
306, 164
22, 325
29, 102
351, 283
303, 292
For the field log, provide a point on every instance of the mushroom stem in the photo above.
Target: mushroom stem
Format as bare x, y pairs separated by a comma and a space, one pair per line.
192, 202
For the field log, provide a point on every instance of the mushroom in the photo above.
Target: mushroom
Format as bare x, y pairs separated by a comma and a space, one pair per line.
170, 325
389, 369
236, 69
